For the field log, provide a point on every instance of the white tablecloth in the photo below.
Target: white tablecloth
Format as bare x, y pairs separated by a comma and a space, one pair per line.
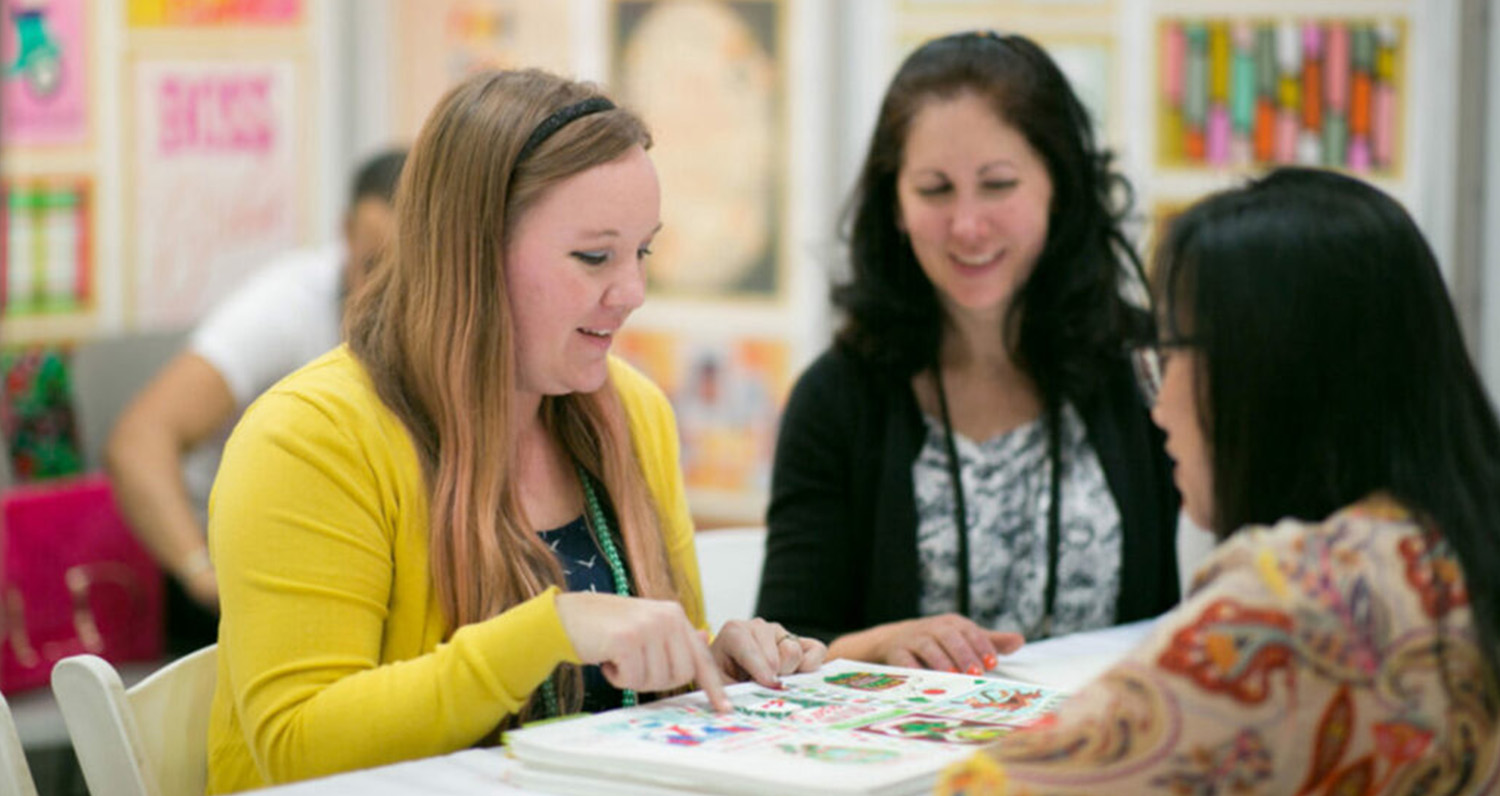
471, 772
1069, 662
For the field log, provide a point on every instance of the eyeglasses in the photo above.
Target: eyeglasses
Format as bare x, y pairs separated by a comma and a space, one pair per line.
1150, 365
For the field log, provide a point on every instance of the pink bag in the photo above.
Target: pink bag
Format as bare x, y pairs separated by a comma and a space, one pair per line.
74, 579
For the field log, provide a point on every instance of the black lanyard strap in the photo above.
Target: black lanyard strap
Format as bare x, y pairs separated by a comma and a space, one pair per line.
960, 509
1054, 517
961, 514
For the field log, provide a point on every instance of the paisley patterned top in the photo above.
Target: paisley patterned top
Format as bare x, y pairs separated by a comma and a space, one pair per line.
1332, 658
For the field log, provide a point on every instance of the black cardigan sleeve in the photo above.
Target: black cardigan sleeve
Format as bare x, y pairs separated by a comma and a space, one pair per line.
811, 574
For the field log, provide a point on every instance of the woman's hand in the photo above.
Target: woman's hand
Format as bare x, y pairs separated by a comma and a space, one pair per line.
762, 651
949, 642
644, 645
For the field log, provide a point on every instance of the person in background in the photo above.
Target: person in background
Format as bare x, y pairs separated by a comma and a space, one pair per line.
164, 450
470, 515
971, 462
1328, 424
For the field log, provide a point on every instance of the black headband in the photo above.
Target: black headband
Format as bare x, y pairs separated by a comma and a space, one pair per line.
559, 119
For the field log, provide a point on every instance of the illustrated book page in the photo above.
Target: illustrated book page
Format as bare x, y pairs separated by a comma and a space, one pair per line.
848, 728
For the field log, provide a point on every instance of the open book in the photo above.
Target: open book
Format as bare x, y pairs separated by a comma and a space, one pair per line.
851, 728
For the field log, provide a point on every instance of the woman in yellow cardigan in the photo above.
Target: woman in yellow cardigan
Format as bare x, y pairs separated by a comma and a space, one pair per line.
470, 515
1327, 423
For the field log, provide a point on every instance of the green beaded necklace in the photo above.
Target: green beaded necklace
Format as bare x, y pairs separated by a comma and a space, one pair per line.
594, 518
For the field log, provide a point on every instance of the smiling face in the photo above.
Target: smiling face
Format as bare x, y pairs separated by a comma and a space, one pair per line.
575, 270
974, 198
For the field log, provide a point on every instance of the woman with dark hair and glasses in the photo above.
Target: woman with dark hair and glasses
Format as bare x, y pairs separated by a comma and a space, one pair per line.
1328, 425
971, 462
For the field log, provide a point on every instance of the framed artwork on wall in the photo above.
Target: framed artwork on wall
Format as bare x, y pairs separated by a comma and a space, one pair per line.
44, 72
727, 392
1366, 87
213, 13
47, 261
439, 42
1005, 6
709, 77
1245, 92
1080, 38
37, 420
216, 179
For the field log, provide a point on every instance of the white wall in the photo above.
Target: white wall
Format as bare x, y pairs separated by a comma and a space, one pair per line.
358, 92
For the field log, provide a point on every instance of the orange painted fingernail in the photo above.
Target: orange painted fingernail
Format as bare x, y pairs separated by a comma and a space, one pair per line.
990, 661
975, 670
953, 670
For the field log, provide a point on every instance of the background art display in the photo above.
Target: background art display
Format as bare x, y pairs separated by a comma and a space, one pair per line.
221, 13
708, 77
442, 41
46, 263
1314, 92
727, 394
44, 72
36, 413
217, 181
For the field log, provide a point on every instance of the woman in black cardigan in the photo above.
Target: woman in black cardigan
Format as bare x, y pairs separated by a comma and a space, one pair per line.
981, 380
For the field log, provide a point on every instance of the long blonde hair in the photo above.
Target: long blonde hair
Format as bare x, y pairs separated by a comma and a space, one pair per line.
433, 325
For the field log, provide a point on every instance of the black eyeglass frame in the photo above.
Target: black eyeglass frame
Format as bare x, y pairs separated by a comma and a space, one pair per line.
1149, 362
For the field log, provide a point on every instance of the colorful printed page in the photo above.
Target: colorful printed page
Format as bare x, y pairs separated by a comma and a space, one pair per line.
853, 728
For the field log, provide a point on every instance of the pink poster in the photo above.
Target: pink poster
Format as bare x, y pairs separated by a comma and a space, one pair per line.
44, 89
217, 188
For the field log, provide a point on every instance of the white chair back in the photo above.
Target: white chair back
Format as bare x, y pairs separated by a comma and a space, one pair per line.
729, 561
149, 741
15, 775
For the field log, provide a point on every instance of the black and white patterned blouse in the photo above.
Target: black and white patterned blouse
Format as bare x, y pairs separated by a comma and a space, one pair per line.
1007, 496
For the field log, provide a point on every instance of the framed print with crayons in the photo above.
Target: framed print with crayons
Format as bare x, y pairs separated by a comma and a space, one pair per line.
1245, 92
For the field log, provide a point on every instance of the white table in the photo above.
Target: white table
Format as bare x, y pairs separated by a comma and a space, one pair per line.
468, 773
1069, 662
1065, 663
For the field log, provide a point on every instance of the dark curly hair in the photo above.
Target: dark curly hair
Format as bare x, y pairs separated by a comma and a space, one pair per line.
1070, 314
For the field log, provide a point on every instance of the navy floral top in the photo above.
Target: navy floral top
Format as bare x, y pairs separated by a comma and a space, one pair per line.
586, 570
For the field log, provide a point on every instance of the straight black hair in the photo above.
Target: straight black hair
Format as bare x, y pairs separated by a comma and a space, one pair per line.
1070, 315
1332, 366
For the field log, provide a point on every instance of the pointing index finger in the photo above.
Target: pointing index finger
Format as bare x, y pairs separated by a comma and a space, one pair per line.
709, 679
